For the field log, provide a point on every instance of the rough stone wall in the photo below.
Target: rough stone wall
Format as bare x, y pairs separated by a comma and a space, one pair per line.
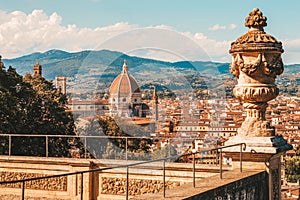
18, 197
117, 186
251, 188
52, 184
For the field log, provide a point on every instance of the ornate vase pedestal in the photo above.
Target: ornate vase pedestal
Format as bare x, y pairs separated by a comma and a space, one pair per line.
256, 61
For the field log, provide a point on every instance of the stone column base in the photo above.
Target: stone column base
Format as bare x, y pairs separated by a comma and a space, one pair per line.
266, 150
266, 145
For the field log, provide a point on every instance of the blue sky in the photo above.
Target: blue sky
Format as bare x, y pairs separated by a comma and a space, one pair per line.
213, 24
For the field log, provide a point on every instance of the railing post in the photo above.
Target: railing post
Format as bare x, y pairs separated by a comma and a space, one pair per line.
194, 170
92, 185
164, 177
47, 146
241, 157
221, 163
23, 190
126, 146
170, 149
9, 145
85, 147
127, 182
81, 186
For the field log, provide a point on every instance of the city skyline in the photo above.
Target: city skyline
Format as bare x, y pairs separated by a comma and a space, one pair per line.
88, 24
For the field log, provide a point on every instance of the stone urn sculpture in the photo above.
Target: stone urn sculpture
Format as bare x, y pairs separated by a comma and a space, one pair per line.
256, 61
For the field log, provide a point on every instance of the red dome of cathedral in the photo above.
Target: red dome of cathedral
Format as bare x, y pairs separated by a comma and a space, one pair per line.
124, 84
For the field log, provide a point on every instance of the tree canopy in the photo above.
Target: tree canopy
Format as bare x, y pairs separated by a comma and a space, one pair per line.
32, 105
292, 166
118, 127
293, 169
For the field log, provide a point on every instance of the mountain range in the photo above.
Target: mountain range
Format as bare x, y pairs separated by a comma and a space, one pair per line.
109, 64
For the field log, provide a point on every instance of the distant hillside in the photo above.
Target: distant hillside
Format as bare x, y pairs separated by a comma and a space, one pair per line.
55, 62
292, 69
105, 63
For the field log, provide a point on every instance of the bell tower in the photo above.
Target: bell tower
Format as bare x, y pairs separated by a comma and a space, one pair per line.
61, 84
155, 105
37, 69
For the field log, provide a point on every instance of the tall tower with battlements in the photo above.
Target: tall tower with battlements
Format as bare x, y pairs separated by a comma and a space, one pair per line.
61, 84
37, 69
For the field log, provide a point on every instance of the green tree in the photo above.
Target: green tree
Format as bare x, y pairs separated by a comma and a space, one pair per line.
31, 105
113, 145
164, 152
52, 117
138, 148
118, 127
293, 169
297, 150
95, 147
14, 103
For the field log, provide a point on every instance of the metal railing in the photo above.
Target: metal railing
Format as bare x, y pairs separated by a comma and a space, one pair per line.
219, 150
85, 140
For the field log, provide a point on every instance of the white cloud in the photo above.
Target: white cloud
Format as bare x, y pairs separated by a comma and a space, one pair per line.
22, 33
232, 26
292, 45
216, 50
222, 27
162, 26
291, 53
216, 27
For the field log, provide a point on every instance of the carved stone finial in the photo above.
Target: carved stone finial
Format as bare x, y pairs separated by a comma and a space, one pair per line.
256, 20
256, 40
